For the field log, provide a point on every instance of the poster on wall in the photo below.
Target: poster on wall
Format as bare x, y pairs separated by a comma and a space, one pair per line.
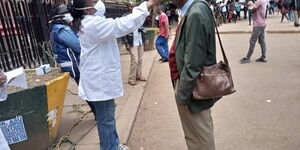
14, 130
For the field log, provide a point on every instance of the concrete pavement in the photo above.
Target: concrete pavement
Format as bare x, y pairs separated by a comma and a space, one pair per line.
85, 135
262, 115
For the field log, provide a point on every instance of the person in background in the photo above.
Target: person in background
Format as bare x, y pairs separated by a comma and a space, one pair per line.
259, 25
297, 13
217, 13
250, 4
279, 6
268, 6
3, 142
134, 43
224, 11
100, 66
238, 10
245, 9
284, 10
65, 43
291, 12
272, 7
231, 12
168, 13
173, 15
161, 42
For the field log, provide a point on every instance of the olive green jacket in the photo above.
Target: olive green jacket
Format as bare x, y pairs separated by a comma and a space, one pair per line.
195, 47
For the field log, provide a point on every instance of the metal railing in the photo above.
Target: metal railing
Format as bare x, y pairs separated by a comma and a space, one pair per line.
24, 28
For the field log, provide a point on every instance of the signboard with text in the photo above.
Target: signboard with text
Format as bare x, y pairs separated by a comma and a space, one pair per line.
14, 130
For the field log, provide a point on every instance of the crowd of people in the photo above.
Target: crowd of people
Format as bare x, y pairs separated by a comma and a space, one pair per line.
230, 10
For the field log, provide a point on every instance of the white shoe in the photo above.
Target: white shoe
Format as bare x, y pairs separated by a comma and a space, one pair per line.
123, 147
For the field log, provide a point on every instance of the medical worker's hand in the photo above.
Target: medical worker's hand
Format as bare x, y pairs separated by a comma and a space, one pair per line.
152, 3
3, 79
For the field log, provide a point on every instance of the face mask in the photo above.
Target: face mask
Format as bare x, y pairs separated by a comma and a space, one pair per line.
100, 7
68, 18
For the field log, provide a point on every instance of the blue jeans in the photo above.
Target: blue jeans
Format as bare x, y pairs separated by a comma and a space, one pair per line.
291, 15
162, 47
106, 124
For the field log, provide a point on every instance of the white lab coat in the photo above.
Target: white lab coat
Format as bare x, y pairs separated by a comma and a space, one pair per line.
100, 68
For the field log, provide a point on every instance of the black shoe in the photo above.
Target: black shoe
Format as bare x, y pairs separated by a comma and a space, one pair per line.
161, 59
245, 60
165, 60
261, 59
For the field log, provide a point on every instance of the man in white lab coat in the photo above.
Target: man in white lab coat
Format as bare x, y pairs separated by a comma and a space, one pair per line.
3, 95
101, 79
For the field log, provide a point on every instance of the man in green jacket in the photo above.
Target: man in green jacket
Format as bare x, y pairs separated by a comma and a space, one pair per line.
193, 48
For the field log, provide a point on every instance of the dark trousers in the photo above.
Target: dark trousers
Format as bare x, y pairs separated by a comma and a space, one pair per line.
257, 33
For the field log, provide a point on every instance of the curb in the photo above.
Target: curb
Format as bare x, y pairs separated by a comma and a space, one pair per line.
128, 114
270, 31
130, 110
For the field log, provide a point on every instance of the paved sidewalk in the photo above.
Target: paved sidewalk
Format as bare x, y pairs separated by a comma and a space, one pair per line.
85, 134
273, 26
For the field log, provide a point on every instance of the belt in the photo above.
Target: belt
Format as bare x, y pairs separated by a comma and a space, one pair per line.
65, 64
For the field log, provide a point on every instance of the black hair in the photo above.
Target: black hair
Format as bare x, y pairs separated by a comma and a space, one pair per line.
77, 14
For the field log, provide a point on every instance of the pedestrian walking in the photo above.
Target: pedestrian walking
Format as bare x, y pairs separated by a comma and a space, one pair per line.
284, 10
101, 78
258, 32
272, 7
161, 42
193, 47
134, 43
268, 6
65, 42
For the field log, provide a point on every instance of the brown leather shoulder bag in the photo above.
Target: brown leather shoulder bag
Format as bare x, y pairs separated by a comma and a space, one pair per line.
216, 80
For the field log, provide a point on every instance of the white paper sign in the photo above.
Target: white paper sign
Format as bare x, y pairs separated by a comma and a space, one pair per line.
14, 130
16, 77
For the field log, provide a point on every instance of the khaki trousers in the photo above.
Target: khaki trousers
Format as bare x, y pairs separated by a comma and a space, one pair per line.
197, 127
136, 54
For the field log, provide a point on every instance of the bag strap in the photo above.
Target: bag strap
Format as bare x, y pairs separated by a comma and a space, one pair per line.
221, 45
219, 38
